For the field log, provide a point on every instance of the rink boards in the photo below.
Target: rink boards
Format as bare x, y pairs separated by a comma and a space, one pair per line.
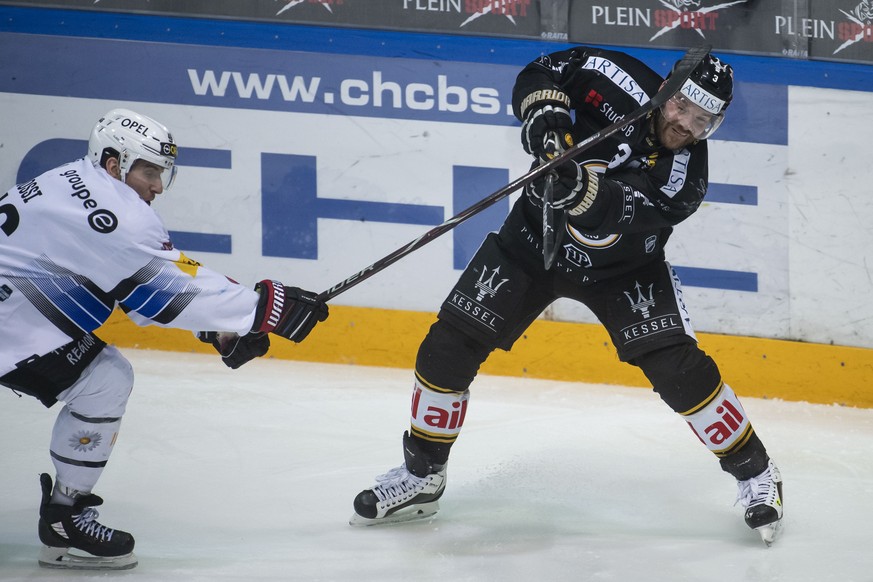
309, 157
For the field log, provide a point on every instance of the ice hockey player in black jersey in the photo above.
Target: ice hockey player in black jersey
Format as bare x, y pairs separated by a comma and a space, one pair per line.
78, 241
617, 204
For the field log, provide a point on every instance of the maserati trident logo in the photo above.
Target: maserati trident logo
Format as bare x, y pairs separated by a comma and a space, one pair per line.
641, 303
487, 286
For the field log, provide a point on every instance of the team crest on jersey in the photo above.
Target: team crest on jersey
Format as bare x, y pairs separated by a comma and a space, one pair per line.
594, 241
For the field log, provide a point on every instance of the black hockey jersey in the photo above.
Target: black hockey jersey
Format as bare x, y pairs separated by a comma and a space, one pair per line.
648, 188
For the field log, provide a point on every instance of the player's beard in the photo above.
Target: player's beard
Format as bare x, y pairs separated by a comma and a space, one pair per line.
672, 135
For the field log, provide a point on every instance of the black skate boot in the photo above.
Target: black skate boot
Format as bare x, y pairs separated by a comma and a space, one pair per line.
405, 493
75, 528
762, 497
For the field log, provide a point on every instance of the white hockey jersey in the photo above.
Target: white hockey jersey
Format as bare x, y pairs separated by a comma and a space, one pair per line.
74, 243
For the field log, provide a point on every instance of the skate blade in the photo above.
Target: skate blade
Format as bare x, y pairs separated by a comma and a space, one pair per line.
411, 513
63, 559
770, 532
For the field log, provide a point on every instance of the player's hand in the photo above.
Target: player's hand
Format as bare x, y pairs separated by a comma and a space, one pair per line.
570, 184
290, 312
544, 123
235, 349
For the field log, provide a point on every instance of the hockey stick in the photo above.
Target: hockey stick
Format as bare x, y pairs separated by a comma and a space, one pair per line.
552, 233
680, 74
550, 237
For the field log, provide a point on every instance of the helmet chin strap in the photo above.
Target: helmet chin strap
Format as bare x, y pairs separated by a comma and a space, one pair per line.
125, 163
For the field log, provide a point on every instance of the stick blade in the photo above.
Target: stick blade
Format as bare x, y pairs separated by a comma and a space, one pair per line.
680, 73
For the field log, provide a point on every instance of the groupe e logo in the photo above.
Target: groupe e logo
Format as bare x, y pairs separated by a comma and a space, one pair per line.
103, 221
100, 219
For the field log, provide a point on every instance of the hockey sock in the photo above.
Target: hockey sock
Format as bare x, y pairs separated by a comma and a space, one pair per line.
437, 417
720, 422
87, 426
80, 447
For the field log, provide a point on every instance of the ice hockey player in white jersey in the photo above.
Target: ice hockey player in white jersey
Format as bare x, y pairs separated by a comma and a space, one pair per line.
76, 242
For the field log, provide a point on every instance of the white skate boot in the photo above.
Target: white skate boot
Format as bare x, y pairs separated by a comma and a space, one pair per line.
74, 539
405, 493
762, 497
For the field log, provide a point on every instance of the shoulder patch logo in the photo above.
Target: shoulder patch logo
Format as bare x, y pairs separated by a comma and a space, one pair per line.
186, 265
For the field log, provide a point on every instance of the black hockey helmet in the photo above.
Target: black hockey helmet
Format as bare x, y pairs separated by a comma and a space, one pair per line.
716, 78
704, 97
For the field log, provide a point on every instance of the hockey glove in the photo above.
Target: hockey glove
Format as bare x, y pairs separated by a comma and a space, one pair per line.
290, 312
545, 112
235, 349
570, 186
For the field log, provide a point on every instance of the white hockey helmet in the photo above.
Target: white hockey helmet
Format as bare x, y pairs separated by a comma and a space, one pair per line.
133, 137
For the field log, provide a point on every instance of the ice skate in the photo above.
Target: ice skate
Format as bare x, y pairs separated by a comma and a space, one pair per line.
762, 497
74, 539
406, 493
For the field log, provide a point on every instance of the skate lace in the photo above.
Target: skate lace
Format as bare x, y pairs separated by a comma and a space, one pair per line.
395, 483
757, 490
87, 523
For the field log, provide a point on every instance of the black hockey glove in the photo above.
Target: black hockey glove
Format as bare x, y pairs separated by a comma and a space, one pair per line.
570, 186
545, 112
235, 349
290, 312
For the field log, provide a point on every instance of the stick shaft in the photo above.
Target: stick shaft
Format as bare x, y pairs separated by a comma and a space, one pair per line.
680, 74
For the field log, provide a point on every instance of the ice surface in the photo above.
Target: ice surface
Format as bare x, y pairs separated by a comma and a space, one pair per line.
250, 475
